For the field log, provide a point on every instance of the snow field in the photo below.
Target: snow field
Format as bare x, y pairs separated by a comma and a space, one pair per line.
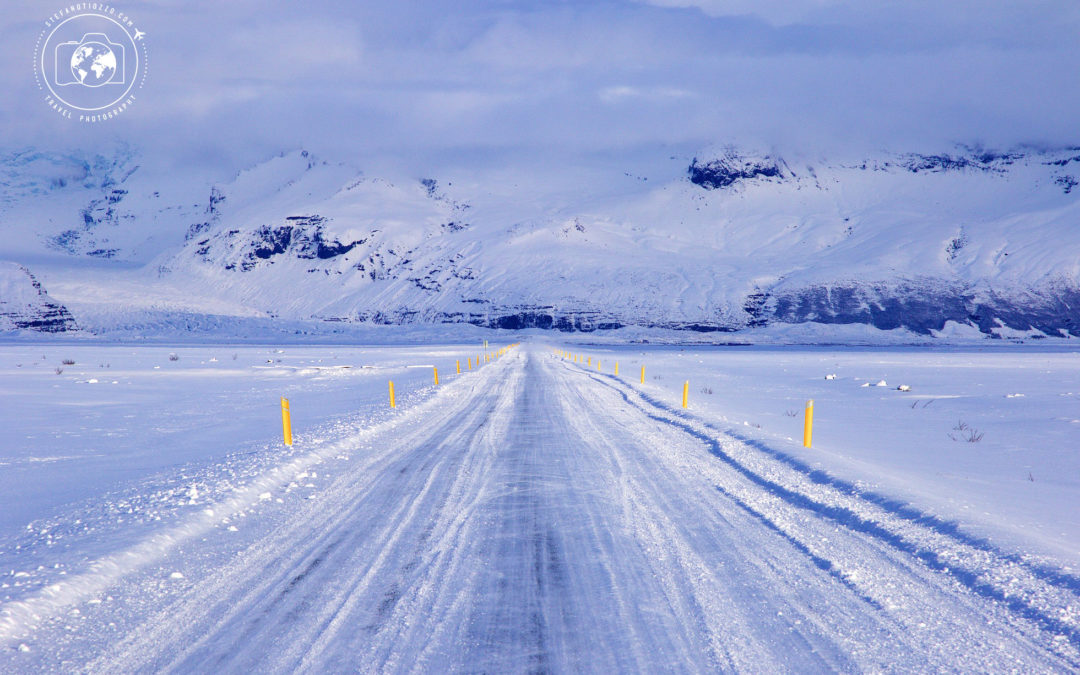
857, 540
131, 450
1015, 484
541, 515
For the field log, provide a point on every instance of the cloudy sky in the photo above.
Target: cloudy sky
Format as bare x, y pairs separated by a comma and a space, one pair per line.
431, 83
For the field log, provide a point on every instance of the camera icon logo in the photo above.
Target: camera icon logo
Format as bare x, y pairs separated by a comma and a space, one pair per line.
93, 61
89, 61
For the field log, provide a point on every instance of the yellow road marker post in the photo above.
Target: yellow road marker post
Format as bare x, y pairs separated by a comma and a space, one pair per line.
685, 392
436, 375
286, 421
393, 402
808, 424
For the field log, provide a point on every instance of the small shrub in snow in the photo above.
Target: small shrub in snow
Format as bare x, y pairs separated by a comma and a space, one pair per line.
68, 362
966, 433
706, 390
791, 413
59, 370
174, 357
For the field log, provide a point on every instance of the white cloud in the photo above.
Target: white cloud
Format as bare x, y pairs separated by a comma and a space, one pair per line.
289, 49
777, 12
621, 93
431, 80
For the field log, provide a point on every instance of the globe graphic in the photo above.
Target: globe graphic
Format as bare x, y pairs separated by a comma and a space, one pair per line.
93, 64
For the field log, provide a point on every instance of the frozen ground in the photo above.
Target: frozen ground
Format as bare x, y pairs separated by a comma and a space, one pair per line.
985, 437
122, 415
537, 514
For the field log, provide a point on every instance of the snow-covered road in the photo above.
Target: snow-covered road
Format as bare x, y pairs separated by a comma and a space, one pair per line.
536, 516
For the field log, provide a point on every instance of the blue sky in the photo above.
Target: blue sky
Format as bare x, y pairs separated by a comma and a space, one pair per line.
427, 84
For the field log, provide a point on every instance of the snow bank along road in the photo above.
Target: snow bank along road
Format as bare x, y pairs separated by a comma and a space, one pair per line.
536, 516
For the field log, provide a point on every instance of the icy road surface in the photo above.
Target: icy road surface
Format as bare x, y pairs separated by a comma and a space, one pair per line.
536, 516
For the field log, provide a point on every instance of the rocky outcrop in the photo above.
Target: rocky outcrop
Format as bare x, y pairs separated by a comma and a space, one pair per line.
24, 304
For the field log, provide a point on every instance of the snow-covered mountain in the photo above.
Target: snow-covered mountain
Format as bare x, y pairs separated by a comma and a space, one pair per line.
24, 304
727, 241
93, 206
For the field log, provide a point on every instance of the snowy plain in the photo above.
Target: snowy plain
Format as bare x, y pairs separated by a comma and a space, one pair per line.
984, 436
538, 513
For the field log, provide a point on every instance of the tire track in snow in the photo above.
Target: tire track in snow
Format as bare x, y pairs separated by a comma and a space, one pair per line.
532, 519
1047, 600
377, 523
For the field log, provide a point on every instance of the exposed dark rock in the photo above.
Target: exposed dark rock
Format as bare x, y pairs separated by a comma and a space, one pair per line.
25, 305
272, 241
195, 230
979, 160
925, 305
431, 185
732, 168
303, 237
1067, 183
755, 308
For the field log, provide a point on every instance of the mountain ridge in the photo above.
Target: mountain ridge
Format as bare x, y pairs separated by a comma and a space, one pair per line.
979, 238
